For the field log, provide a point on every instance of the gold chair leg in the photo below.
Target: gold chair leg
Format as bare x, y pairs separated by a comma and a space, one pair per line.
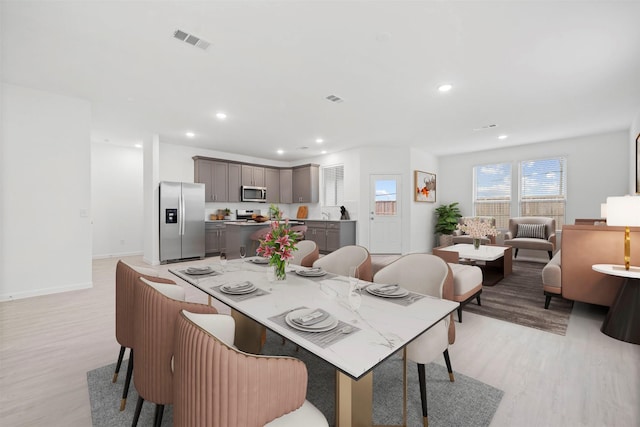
123, 404
425, 421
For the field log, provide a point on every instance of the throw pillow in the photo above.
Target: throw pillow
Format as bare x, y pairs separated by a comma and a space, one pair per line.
535, 231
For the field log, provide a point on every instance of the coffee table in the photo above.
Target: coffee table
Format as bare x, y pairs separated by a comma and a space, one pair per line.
495, 260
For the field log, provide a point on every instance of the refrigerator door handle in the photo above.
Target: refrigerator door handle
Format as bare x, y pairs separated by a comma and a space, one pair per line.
181, 228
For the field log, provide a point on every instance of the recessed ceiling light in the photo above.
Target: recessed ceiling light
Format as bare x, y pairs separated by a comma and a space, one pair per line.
445, 87
221, 116
190, 134
138, 145
323, 152
319, 140
503, 137
280, 151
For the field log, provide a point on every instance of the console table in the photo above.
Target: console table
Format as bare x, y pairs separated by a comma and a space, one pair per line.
623, 319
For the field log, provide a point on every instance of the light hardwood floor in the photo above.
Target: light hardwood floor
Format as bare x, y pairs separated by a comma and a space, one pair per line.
582, 379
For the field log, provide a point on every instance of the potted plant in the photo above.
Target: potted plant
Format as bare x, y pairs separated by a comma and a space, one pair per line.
227, 213
447, 219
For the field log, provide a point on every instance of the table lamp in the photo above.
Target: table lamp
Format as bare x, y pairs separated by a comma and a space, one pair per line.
624, 211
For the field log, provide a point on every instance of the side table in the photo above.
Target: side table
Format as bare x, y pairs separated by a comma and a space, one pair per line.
623, 319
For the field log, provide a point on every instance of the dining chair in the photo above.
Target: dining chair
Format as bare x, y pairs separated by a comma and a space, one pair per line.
301, 230
157, 306
217, 385
346, 257
126, 277
429, 275
306, 254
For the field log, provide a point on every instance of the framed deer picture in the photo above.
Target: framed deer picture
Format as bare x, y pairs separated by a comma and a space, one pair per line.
425, 187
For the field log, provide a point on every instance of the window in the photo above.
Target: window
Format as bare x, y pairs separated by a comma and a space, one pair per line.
543, 188
386, 197
333, 185
492, 192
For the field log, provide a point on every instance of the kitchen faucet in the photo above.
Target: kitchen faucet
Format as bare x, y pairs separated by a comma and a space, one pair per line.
325, 214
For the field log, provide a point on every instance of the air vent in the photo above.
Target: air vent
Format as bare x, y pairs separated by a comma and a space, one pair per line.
191, 39
486, 127
334, 98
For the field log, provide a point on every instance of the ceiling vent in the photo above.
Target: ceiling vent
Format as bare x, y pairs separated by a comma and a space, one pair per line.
334, 98
486, 127
191, 39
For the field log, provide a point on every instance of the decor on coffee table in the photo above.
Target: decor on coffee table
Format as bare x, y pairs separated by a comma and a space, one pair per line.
477, 228
425, 187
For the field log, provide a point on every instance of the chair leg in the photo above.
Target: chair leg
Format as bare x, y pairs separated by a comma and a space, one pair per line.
547, 300
448, 362
423, 393
516, 254
127, 381
157, 421
136, 414
120, 356
460, 314
550, 254
478, 299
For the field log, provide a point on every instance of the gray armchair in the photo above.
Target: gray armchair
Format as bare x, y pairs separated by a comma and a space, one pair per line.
532, 232
460, 237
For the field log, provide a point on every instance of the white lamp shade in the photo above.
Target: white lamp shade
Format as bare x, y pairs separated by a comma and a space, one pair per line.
623, 211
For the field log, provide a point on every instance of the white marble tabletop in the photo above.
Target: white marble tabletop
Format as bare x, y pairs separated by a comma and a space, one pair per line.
383, 327
483, 253
617, 270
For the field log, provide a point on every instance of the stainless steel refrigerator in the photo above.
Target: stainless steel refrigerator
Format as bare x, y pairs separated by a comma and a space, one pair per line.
181, 221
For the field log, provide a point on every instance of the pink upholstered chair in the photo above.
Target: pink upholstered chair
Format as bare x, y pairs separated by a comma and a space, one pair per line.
301, 230
340, 260
426, 274
157, 306
216, 385
306, 254
126, 277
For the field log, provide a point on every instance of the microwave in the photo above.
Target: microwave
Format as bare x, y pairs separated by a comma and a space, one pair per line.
253, 194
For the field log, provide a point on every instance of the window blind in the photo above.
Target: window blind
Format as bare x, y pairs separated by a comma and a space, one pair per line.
333, 185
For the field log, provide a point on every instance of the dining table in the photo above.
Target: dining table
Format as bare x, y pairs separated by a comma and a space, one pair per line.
354, 341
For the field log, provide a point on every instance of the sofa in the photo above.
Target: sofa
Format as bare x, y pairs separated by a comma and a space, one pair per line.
569, 273
531, 232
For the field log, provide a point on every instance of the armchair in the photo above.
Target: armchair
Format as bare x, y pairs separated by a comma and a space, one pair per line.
532, 232
460, 237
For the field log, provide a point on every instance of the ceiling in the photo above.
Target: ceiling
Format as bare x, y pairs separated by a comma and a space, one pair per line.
538, 70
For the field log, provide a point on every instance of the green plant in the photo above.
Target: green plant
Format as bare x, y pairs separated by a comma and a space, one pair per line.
227, 211
448, 216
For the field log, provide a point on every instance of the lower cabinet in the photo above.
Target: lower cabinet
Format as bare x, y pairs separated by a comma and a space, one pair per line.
331, 235
214, 238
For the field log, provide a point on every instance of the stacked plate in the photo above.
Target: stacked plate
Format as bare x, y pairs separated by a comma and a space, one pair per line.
199, 270
259, 260
240, 288
312, 272
387, 291
311, 320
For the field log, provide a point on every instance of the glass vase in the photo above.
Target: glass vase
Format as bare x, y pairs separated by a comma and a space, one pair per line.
280, 270
476, 244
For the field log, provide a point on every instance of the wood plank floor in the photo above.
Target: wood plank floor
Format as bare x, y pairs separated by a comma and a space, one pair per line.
582, 379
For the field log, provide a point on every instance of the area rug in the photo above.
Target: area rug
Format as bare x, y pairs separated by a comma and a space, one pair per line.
519, 299
465, 402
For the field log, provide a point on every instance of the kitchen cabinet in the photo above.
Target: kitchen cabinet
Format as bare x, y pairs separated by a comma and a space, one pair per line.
272, 181
214, 175
235, 182
331, 235
253, 175
214, 237
306, 184
286, 186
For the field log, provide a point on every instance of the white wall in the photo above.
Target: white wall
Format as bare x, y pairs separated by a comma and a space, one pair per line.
597, 167
117, 200
46, 178
422, 213
634, 156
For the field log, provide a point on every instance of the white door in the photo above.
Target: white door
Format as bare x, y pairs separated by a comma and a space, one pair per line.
385, 230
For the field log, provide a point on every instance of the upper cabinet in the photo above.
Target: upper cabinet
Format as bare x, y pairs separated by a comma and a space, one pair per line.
306, 184
214, 175
253, 175
286, 186
272, 180
235, 181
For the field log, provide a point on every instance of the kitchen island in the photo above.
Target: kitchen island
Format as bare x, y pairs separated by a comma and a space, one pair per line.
238, 233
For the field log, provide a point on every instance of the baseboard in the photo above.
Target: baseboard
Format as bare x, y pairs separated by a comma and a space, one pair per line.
118, 255
45, 291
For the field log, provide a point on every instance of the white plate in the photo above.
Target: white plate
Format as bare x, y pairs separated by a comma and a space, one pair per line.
199, 270
399, 293
225, 289
326, 325
259, 260
311, 273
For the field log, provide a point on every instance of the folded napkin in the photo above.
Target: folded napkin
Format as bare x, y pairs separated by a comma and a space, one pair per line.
198, 269
238, 286
386, 289
311, 271
312, 318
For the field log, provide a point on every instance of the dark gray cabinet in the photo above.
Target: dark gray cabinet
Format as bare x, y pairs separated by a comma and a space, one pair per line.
286, 186
306, 184
235, 180
253, 175
272, 181
214, 237
214, 175
331, 235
